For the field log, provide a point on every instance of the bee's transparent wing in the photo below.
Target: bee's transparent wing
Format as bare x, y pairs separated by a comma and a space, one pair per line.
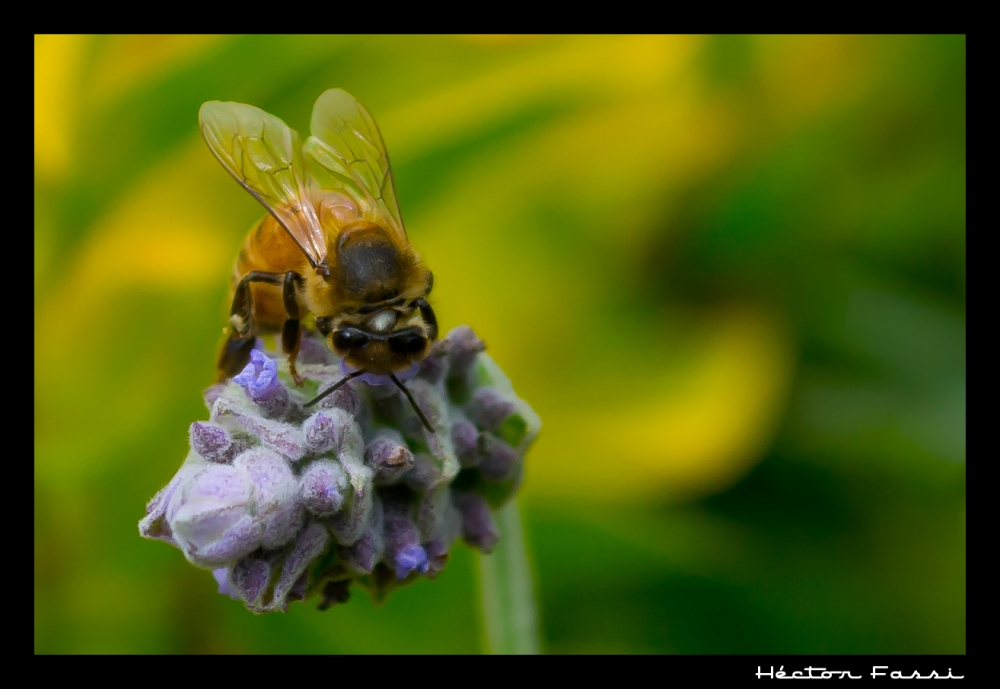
346, 154
265, 156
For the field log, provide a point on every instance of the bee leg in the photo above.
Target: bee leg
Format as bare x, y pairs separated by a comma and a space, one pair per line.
235, 356
291, 333
429, 318
291, 336
235, 353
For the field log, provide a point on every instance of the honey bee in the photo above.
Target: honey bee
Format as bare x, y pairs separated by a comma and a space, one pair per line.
332, 246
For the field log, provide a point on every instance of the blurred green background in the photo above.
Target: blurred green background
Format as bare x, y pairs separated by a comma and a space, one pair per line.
727, 272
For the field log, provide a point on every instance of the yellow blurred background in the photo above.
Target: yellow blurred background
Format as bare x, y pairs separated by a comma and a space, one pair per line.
727, 272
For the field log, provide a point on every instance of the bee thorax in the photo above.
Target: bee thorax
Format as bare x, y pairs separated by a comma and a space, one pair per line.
370, 267
382, 322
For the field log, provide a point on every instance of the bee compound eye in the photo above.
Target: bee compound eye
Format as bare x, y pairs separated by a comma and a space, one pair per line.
407, 342
349, 338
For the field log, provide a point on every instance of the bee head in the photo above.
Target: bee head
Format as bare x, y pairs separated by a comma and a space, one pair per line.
383, 341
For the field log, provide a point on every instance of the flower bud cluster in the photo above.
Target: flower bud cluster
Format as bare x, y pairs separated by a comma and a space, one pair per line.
285, 502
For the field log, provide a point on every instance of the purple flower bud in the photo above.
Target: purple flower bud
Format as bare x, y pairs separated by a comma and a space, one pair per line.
351, 455
499, 458
433, 368
439, 442
488, 408
382, 581
462, 345
322, 432
300, 588
279, 436
403, 551
439, 545
260, 381
350, 523
310, 544
478, 527
335, 593
250, 577
388, 456
388, 404
322, 487
431, 402
392, 406
345, 397
432, 509
222, 579
410, 558
426, 472
209, 519
282, 526
242, 536
369, 549
260, 376
438, 553
277, 512
211, 441
463, 438
450, 526
154, 525
213, 393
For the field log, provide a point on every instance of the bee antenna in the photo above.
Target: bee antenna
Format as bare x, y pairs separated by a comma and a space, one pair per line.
333, 388
413, 402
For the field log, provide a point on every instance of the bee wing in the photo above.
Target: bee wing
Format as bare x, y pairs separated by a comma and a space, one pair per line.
265, 156
346, 154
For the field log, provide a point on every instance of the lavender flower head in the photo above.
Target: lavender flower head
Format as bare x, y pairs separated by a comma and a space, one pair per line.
283, 502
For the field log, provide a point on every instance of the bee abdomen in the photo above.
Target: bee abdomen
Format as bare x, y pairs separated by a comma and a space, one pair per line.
268, 248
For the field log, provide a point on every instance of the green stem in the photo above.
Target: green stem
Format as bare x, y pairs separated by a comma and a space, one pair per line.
510, 618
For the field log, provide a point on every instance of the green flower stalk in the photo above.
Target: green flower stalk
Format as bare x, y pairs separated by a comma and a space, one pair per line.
283, 502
